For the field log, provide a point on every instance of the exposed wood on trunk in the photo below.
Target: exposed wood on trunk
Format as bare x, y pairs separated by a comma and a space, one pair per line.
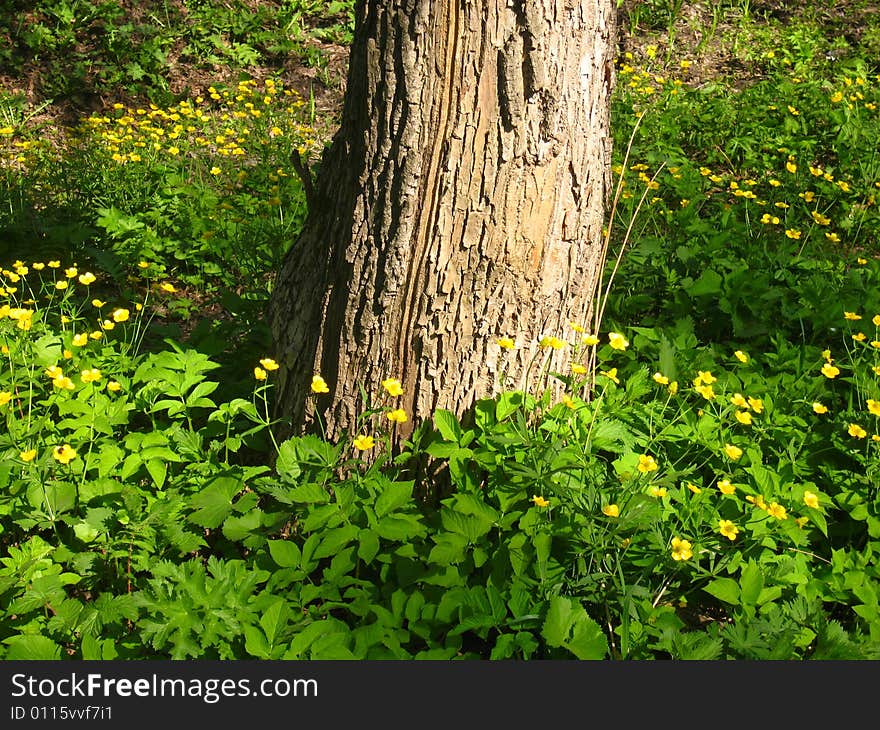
461, 200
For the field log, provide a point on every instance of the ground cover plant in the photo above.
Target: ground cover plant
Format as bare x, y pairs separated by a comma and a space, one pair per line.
702, 483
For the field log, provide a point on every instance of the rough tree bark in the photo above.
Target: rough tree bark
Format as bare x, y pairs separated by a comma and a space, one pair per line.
461, 200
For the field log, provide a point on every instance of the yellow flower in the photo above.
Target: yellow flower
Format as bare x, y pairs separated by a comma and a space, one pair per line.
706, 391
757, 501
876, 369
54, 264
728, 529
820, 219
617, 341
693, 487
259, 373
819, 408
733, 452
98, 303
793, 233
553, 342
741, 356
811, 499
397, 416
506, 343
681, 549
96, 335
611, 510
268, 363
725, 487
70, 272
578, 369
168, 287
113, 386
658, 491
661, 379
80, 340
215, 170
673, 387
61, 285
833, 237
64, 454
107, 325
647, 463
756, 404
540, 501
874, 407
859, 337
120, 315
611, 375
5, 397
876, 320
392, 386
576, 327
319, 385
830, 371
791, 167
93, 375
364, 442
705, 377
86, 278
590, 340
28, 455
856, 431
739, 400
567, 401
62, 382
851, 316
53, 371
744, 417
777, 510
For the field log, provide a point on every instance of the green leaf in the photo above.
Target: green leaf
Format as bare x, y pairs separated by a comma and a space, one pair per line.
472, 527
368, 545
334, 540
508, 404
568, 625
31, 647
255, 643
400, 527
751, 582
285, 553
724, 589
275, 619
447, 424
394, 495
214, 502
309, 494
449, 549
239, 528
708, 284
157, 470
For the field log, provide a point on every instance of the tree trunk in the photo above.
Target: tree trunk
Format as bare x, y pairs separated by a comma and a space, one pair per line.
461, 200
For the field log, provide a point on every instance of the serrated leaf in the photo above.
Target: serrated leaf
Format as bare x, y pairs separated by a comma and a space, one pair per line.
31, 647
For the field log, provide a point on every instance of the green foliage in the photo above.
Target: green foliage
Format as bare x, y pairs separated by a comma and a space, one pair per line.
700, 486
